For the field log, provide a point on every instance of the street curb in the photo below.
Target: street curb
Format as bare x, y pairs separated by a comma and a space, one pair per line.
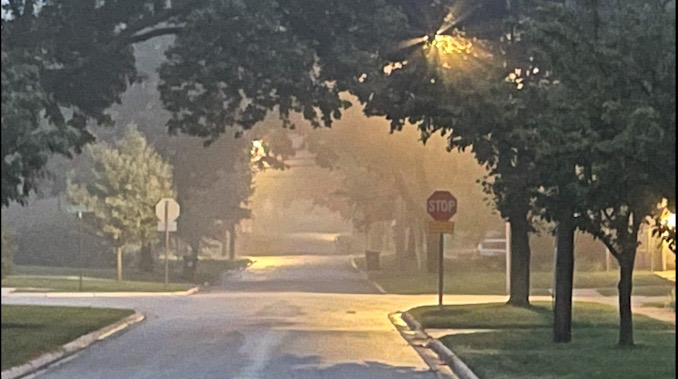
446, 355
71, 348
411, 322
366, 276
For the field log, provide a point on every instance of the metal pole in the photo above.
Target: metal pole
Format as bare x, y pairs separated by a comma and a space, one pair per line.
508, 258
441, 263
166, 243
650, 250
80, 250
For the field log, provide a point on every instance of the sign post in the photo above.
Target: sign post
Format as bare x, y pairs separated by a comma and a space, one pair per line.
79, 209
167, 211
441, 205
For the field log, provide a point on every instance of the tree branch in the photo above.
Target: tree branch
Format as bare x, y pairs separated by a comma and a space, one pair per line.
155, 33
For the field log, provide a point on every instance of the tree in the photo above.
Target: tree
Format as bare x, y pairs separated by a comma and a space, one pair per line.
388, 177
8, 249
122, 184
613, 111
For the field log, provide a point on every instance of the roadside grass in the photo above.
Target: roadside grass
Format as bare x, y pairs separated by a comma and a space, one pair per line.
539, 315
43, 278
29, 331
208, 270
517, 342
71, 284
656, 304
640, 291
521, 353
477, 278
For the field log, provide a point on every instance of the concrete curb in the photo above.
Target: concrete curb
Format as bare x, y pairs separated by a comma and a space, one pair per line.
70, 348
459, 368
446, 355
366, 277
188, 292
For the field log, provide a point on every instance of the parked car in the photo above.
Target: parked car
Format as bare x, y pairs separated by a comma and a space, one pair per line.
492, 247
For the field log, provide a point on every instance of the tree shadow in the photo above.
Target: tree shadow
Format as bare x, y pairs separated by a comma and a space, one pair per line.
311, 367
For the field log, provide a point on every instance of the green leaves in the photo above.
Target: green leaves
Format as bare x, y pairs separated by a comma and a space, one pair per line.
122, 184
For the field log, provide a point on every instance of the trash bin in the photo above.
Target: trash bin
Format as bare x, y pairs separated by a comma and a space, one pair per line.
372, 260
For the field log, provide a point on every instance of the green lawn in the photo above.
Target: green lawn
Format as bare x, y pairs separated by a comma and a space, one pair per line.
208, 271
42, 278
640, 291
539, 315
519, 353
477, 278
29, 331
519, 343
71, 284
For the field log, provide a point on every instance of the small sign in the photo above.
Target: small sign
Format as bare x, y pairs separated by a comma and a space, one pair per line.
441, 227
172, 226
170, 206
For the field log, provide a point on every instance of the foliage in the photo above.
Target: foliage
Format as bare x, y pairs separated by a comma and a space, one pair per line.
122, 184
8, 249
613, 112
232, 63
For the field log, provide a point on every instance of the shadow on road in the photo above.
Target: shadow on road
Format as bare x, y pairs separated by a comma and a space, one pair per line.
307, 367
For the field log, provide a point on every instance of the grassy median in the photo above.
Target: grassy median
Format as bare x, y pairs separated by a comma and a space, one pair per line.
517, 342
29, 331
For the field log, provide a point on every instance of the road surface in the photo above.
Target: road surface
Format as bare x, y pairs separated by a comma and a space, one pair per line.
285, 317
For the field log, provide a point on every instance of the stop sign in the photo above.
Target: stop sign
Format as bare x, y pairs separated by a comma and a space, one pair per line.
441, 205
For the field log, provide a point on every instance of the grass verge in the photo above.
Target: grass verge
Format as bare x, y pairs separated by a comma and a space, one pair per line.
71, 284
539, 315
50, 279
519, 343
474, 278
29, 331
520, 353
640, 291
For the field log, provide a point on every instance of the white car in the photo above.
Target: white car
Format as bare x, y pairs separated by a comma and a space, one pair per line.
492, 247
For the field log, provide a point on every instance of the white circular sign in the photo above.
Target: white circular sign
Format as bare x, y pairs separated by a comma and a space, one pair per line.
171, 206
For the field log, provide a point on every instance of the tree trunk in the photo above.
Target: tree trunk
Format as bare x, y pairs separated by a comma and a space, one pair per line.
146, 258
562, 318
625, 286
118, 256
225, 242
411, 253
400, 243
520, 255
191, 261
231, 242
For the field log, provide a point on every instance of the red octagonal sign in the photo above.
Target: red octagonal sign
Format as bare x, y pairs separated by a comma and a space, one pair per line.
441, 205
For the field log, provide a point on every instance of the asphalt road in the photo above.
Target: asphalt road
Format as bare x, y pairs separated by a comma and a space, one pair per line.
285, 317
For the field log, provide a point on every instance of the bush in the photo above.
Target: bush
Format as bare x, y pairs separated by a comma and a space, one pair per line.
8, 250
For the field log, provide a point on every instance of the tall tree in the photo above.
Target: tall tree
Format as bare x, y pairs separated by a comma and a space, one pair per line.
615, 118
122, 184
